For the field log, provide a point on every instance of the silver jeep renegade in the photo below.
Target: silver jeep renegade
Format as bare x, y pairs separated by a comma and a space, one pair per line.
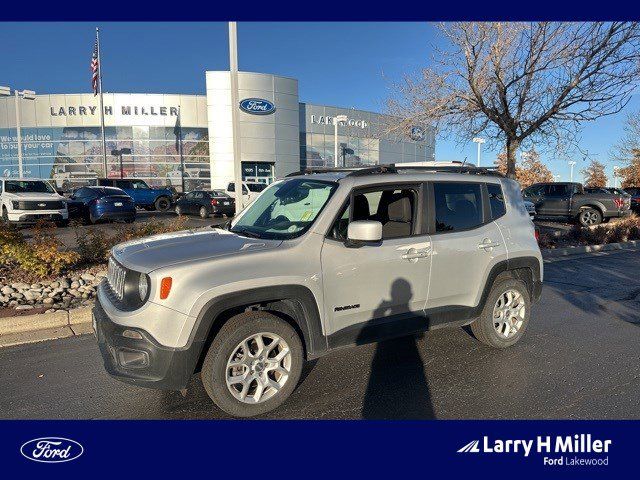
319, 261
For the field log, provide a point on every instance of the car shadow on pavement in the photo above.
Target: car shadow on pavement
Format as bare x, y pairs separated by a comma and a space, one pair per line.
398, 386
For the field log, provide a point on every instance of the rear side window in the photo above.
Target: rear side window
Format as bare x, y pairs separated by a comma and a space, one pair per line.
458, 206
496, 200
556, 190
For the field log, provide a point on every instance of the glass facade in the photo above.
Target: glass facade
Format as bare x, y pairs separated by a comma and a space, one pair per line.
71, 155
362, 140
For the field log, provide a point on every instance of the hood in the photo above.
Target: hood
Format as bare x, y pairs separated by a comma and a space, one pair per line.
150, 253
32, 196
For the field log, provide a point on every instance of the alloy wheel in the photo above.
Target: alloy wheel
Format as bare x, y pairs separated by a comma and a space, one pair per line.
589, 217
509, 313
258, 367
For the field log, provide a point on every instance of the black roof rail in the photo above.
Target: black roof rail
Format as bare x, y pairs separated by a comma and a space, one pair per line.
392, 168
452, 169
351, 171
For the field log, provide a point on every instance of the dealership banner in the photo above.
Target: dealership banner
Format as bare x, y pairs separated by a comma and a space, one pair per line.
300, 449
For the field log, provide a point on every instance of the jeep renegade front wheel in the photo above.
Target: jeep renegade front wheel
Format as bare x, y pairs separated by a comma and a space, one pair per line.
253, 364
505, 315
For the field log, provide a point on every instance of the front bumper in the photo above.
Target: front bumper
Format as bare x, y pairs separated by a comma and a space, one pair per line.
131, 215
138, 358
32, 216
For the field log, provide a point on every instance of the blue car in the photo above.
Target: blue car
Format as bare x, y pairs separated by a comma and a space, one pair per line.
93, 204
159, 199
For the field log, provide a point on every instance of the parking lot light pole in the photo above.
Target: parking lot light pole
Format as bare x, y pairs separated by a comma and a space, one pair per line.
615, 176
18, 94
336, 120
572, 164
235, 114
479, 141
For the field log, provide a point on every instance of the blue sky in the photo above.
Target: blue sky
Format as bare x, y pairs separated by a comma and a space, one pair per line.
343, 64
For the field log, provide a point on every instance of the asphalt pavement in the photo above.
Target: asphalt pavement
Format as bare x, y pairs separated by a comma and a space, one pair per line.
579, 359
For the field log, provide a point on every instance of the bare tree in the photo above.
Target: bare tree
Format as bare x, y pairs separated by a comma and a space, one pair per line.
594, 175
628, 146
522, 83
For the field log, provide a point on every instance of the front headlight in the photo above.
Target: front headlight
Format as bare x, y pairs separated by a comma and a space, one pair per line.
143, 287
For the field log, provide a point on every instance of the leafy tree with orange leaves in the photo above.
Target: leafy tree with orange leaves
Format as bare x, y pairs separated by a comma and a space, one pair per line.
530, 171
594, 175
631, 173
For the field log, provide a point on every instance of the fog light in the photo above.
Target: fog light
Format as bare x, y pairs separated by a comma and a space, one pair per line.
132, 358
132, 334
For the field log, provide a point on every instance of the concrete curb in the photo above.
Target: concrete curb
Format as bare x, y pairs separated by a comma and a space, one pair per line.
44, 326
564, 252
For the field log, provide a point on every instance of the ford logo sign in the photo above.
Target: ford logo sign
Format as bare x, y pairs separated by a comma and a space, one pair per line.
257, 106
51, 450
417, 133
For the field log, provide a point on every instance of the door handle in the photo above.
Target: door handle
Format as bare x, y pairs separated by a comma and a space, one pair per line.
487, 244
414, 254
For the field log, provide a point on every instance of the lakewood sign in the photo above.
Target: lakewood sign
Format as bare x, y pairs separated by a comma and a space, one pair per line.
328, 120
125, 110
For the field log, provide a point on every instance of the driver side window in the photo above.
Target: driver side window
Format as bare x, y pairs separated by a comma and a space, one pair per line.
394, 208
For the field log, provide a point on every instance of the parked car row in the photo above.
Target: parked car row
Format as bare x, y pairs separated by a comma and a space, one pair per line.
571, 201
25, 201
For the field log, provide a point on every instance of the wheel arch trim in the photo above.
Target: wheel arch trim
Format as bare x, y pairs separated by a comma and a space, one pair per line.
305, 313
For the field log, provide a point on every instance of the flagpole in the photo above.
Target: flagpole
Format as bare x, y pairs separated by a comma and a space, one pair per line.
104, 140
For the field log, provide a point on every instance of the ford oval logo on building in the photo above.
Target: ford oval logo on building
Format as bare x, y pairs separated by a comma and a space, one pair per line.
257, 106
51, 450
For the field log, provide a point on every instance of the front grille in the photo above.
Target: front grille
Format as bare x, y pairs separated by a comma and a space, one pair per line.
116, 277
38, 205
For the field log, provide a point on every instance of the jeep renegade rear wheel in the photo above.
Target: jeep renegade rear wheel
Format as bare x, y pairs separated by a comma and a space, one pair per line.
253, 364
505, 315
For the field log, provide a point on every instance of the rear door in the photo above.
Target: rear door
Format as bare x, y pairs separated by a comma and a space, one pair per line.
466, 243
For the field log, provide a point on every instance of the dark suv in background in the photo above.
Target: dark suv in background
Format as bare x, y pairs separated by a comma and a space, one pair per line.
570, 201
634, 192
145, 197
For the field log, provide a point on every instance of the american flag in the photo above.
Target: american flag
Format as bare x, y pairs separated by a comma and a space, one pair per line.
95, 68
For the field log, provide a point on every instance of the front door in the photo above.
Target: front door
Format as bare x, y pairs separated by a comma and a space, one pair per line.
556, 200
377, 291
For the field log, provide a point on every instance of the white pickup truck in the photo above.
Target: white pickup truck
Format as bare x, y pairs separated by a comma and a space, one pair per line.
29, 200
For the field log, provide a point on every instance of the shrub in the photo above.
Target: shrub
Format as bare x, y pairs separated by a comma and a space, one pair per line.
45, 256
94, 245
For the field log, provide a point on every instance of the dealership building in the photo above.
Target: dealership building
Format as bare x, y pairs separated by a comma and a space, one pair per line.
187, 140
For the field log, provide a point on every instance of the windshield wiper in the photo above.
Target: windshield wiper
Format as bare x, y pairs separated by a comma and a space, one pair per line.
246, 233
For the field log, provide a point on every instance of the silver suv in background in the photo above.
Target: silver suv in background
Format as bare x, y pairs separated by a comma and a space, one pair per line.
319, 261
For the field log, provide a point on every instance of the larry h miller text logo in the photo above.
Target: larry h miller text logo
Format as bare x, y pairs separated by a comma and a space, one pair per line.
570, 450
51, 450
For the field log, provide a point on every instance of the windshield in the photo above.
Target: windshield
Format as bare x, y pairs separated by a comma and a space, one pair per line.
28, 186
285, 209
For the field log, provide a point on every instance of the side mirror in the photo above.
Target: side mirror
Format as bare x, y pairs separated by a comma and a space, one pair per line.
362, 232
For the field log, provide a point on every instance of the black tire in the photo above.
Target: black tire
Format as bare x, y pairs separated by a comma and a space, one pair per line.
483, 327
5, 214
130, 220
162, 204
588, 217
63, 223
204, 213
234, 331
